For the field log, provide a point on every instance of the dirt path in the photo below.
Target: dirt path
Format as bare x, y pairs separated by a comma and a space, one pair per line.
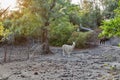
100, 63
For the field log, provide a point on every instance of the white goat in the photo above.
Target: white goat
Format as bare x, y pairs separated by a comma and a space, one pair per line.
68, 49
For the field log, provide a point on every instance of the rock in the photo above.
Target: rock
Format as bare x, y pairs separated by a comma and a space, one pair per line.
22, 76
115, 41
117, 77
17, 73
116, 65
89, 75
5, 78
35, 73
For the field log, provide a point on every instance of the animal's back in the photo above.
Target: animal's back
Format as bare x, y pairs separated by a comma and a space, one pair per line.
67, 47
103, 40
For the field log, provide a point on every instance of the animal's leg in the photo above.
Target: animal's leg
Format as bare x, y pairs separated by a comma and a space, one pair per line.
110, 41
100, 41
104, 42
68, 54
63, 52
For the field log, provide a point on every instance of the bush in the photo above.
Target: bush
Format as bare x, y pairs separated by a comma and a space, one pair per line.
59, 34
82, 39
110, 28
20, 40
2, 29
3, 32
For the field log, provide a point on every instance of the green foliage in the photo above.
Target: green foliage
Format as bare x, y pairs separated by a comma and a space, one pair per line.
27, 24
1, 29
81, 39
3, 32
110, 6
75, 19
91, 18
119, 45
117, 11
60, 31
88, 15
58, 17
111, 27
73, 12
7, 23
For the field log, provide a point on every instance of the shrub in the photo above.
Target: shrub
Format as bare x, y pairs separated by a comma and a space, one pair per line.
82, 39
60, 33
111, 27
20, 39
3, 32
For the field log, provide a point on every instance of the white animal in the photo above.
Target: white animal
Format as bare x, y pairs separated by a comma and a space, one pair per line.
67, 49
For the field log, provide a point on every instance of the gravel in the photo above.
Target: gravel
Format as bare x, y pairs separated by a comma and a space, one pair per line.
100, 63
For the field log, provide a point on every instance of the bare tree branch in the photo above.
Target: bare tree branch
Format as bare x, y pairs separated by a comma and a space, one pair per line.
4, 11
53, 5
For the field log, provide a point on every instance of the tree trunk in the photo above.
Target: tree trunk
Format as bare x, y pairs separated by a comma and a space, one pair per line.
44, 40
5, 53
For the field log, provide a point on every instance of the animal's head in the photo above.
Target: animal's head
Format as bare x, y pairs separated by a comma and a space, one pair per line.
73, 43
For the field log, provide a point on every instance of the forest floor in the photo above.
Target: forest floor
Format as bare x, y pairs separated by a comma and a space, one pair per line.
99, 63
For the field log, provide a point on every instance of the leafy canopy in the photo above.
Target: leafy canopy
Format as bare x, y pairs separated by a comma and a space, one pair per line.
111, 27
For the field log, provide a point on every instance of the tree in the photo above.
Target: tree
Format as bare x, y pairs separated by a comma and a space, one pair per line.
109, 7
39, 15
3, 13
90, 14
49, 11
111, 27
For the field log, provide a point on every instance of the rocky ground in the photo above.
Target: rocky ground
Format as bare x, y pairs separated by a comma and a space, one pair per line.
100, 63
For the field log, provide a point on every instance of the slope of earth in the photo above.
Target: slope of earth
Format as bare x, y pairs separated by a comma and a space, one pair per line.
100, 63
